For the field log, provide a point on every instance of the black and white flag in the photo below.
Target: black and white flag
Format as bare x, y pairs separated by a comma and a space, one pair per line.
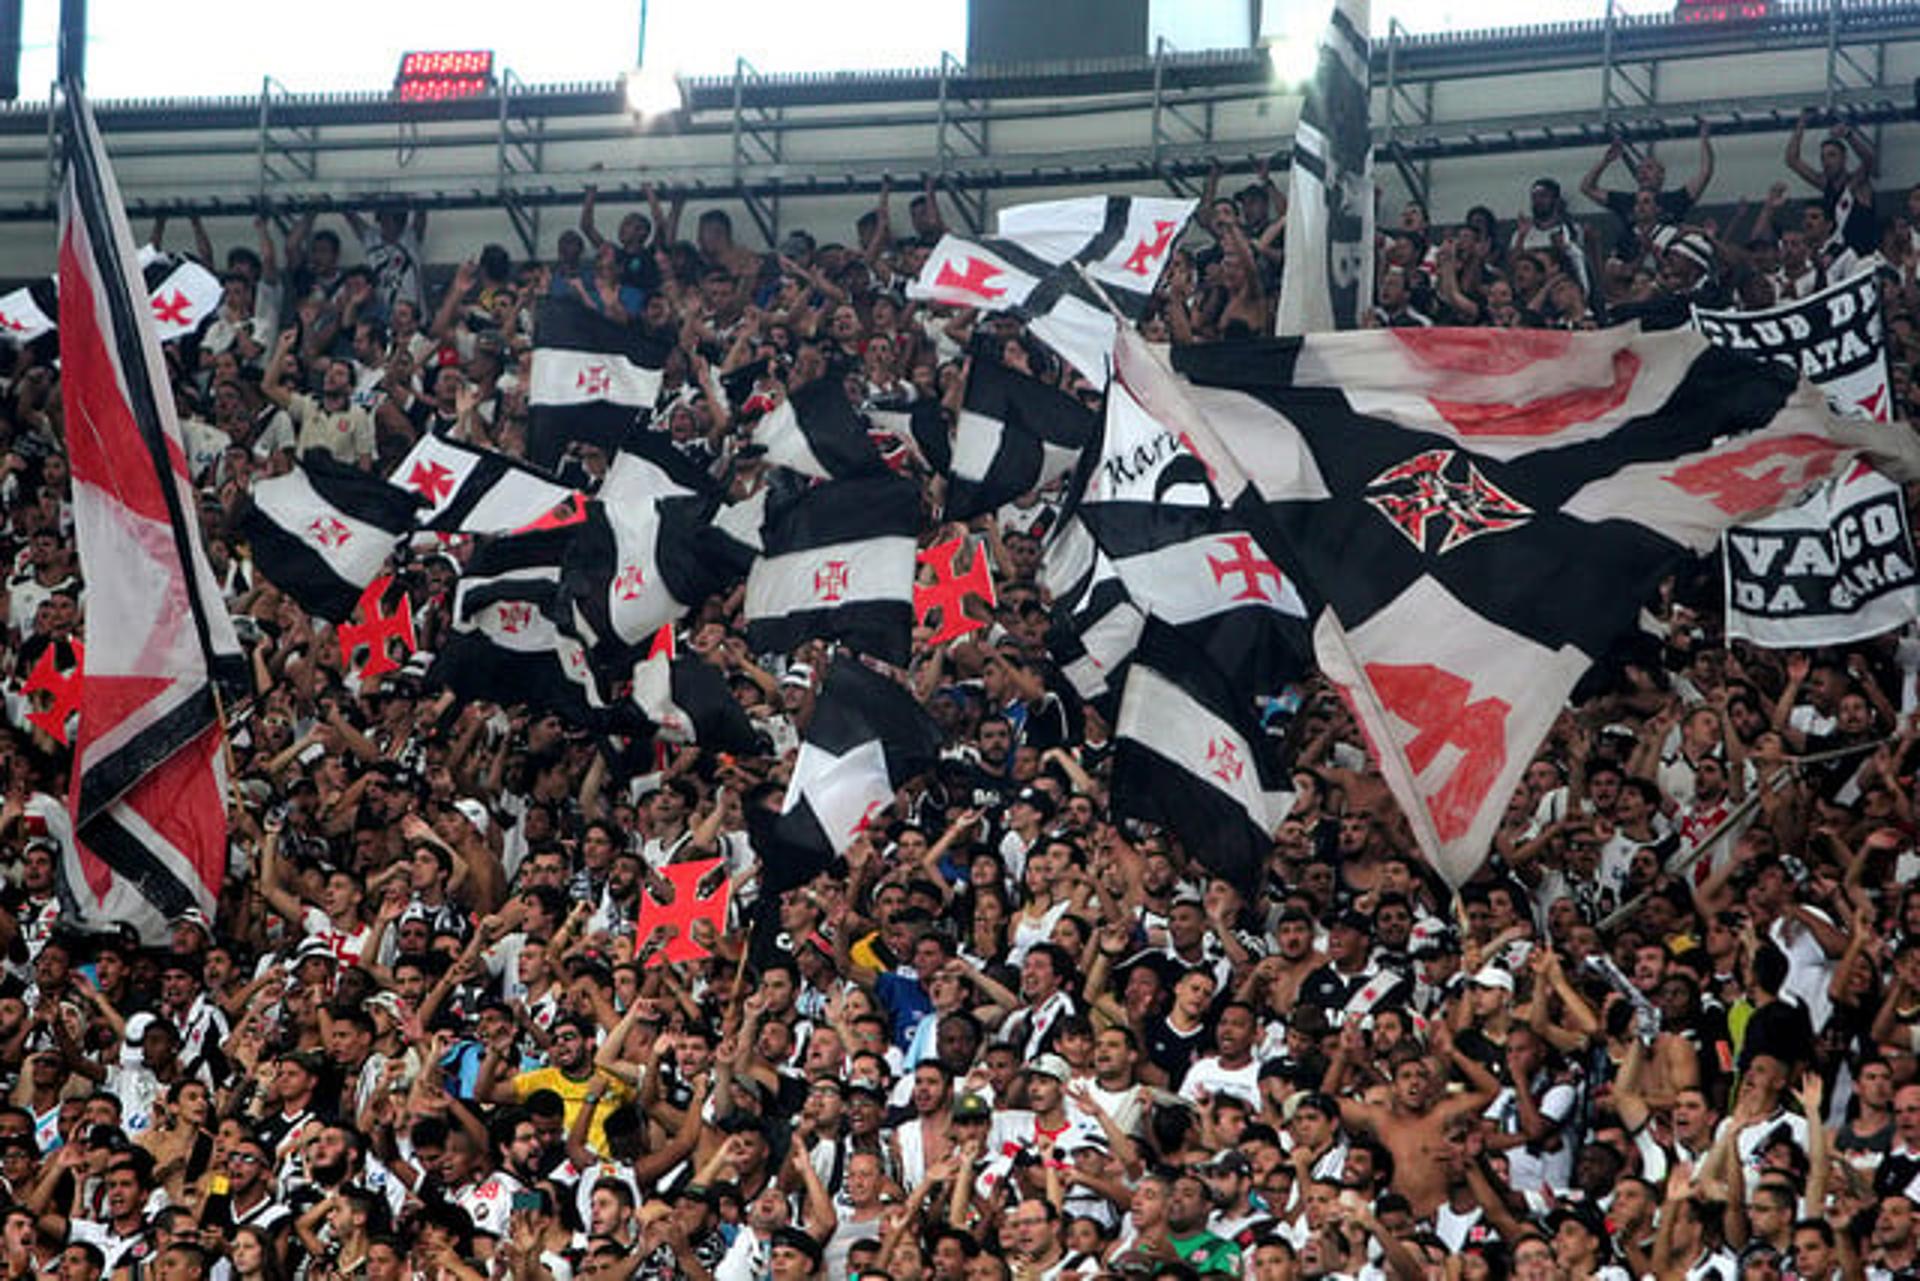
1184, 558
1095, 623
632, 568
1836, 569
1033, 269
868, 737
1188, 755
1829, 571
1014, 435
838, 565
593, 379
1474, 516
816, 432
1328, 283
477, 491
1835, 339
323, 532
28, 312
505, 646
688, 701
648, 465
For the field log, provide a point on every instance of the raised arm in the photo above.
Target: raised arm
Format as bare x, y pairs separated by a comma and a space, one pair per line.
1704, 173
1590, 183
273, 383
1797, 162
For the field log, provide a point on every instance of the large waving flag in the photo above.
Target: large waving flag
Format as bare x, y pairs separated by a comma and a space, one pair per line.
593, 378
1329, 278
148, 792
1034, 267
867, 738
1482, 512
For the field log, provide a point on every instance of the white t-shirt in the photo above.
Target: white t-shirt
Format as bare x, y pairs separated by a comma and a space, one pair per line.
1207, 1077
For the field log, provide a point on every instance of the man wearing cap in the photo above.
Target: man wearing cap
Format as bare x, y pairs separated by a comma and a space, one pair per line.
1237, 1217
184, 1003
1045, 1118
1026, 820
1350, 982
139, 1084
1436, 967
795, 1255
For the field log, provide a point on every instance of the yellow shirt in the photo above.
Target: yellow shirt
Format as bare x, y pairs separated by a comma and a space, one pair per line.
574, 1094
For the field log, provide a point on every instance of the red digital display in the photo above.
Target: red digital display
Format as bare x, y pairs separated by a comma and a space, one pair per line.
439, 75
1709, 11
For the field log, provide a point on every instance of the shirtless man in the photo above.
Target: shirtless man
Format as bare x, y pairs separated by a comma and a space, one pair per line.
1413, 1123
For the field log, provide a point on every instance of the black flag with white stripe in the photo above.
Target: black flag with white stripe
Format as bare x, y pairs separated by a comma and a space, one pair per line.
632, 568
816, 432
505, 646
1014, 435
1189, 756
688, 701
868, 737
593, 379
472, 490
1033, 268
323, 532
648, 465
838, 565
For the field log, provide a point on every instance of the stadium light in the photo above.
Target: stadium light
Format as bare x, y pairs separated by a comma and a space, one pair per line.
654, 91
1292, 61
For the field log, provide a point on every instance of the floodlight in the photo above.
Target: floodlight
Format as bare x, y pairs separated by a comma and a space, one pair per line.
654, 91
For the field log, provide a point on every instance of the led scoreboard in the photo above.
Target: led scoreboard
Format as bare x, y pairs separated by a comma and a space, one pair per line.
439, 75
1711, 11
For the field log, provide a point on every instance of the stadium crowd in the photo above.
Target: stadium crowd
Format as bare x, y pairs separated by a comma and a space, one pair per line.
1008, 1038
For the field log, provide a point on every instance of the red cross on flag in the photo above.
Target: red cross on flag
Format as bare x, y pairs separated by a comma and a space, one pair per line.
183, 299
1036, 263
21, 320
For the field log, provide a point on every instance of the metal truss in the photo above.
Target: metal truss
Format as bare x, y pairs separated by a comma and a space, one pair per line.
960, 136
954, 121
757, 143
519, 147
1177, 119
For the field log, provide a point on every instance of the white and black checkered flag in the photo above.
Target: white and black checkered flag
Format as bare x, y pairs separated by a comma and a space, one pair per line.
1033, 268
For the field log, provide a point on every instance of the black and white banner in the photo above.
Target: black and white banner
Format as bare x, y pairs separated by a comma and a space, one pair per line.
1329, 236
1837, 568
1834, 339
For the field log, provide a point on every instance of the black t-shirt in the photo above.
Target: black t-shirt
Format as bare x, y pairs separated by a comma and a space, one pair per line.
1171, 1050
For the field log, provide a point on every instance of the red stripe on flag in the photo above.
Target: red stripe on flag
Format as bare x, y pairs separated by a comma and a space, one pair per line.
105, 447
